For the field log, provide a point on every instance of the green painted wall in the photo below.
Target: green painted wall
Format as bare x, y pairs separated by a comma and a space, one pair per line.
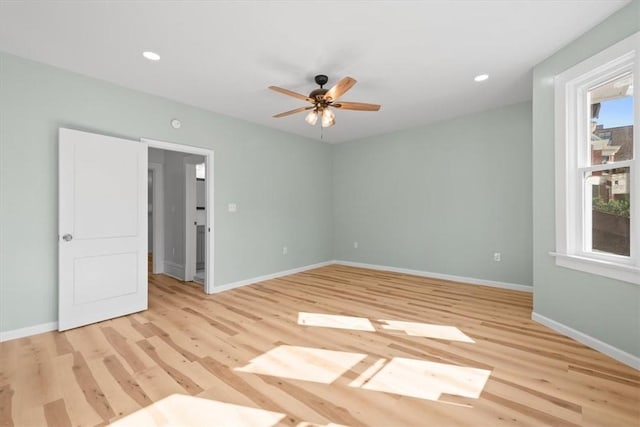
280, 182
441, 198
605, 309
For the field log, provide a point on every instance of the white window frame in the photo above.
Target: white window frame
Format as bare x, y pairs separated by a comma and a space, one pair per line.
572, 156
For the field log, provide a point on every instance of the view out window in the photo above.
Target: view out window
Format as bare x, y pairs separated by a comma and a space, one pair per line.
611, 143
597, 167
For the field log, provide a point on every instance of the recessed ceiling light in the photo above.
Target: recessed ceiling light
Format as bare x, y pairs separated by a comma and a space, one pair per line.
481, 77
151, 56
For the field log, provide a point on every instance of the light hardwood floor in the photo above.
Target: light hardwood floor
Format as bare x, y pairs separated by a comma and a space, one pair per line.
263, 355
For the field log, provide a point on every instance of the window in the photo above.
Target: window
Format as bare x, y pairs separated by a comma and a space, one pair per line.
597, 167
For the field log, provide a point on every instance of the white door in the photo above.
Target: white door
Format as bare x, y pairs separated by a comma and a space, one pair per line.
102, 226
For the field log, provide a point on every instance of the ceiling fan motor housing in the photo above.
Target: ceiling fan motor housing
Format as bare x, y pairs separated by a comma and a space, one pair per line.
318, 94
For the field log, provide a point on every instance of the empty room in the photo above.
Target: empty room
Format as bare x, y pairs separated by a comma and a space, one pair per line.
303, 213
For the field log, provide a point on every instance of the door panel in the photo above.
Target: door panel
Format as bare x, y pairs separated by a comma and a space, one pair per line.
103, 215
106, 183
104, 277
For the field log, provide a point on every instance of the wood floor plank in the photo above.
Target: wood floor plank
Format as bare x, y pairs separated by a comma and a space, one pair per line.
78, 409
56, 414
6, 396
233, 380
29, 417
92, 392
245, 347
174, 371
126, 381
123, 348
157, 383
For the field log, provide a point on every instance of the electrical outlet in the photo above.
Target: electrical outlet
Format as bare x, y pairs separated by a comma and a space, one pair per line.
285, 250
355, 245
497, 256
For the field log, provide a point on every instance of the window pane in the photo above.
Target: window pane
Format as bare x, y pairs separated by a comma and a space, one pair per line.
612, 121
610, 207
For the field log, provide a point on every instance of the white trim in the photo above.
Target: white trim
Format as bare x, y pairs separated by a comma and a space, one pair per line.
572, 153
465, 280
209, 210
253, 280
172, 146
209, 202
190, 229
177, 271
611, 351
174, 270
623, 272
28, 331
157, 170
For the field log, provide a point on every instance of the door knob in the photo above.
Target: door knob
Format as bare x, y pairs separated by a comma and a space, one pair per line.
67, 237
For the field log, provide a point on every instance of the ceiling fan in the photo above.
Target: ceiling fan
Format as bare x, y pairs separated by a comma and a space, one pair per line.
321, 99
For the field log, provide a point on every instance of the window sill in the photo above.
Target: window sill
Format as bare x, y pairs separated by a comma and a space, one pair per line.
625, 273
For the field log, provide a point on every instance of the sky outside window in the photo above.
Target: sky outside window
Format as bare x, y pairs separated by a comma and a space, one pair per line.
616, 112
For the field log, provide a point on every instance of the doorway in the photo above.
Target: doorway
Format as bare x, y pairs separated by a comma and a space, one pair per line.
181, 241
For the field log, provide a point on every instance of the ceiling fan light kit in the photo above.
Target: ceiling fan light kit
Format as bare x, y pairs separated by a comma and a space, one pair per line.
328, 118
321, 99
312, 118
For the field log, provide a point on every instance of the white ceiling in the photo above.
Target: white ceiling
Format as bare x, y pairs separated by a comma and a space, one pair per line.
416, 58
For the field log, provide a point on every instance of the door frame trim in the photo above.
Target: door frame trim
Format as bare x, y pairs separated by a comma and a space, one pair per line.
157, 216
190, 217
208, 155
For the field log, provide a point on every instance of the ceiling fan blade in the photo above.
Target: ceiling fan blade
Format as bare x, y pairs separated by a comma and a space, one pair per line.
339, 89
291, 93
359, 106
297, 110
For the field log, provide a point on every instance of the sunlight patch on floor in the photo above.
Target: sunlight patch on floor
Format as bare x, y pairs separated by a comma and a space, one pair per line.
303, 363
308, 424
416, 329
368, 373
182, 410
427, 380
335, 321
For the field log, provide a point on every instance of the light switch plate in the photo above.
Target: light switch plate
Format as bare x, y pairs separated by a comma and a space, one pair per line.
233, 207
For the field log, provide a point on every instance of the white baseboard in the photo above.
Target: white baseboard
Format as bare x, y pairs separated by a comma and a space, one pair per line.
240, 283
589, 341
174, 270
28, 331
467, 280
177, 271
